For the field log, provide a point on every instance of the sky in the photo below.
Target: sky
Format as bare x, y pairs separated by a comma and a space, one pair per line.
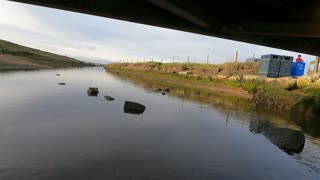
103, 40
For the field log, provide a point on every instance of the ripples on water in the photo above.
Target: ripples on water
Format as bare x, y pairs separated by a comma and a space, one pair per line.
56, 131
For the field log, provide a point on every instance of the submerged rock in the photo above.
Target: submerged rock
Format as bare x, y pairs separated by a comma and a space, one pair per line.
62, 84
93, 91
108, 98
57, 74
133, 107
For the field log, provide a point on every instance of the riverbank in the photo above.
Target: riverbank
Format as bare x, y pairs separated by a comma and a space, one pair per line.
17, 57
236, 79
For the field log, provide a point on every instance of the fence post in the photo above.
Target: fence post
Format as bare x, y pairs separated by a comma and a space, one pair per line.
236, 56
316, 66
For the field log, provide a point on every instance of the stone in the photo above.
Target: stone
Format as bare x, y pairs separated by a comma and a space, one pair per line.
57, 74
133, 107
93, 91
62, 84
108, 98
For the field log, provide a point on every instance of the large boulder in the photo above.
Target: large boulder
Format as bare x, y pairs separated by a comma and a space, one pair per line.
93, 91
308, 105
133, 107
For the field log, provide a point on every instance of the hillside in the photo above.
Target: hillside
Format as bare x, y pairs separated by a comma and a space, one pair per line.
14, 56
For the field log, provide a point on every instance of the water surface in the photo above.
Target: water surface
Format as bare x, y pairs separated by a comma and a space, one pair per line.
51, 131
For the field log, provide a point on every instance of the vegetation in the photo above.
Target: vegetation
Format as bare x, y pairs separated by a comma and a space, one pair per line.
228, 69
14, 56
237, 79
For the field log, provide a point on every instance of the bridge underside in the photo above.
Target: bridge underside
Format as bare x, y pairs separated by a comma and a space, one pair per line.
286, 24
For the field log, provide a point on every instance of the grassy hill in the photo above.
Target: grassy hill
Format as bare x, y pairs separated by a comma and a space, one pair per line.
14, 56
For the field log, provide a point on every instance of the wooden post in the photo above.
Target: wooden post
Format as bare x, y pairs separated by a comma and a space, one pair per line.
236, 56
188, 59
208, 59
316, 65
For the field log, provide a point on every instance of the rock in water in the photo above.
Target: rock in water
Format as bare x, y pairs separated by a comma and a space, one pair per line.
133, 107
62, 84
108, 98
93, 91
58, 74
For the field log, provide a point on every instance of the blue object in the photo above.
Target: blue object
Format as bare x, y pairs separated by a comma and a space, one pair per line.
298, 68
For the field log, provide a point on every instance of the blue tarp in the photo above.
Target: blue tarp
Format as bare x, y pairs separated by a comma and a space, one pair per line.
297, 68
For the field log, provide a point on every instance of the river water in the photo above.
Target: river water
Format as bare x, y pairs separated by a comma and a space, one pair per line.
56, 131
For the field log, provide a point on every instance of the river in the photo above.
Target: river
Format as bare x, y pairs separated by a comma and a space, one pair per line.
50, 130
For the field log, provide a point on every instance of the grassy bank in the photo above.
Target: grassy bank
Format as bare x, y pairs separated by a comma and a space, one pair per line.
14, 56
227, 69
230, 78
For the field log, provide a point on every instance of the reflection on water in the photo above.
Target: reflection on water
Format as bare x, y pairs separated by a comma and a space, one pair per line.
50, 132
289, 140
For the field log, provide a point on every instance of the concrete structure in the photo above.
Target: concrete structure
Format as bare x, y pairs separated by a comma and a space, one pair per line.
286, 24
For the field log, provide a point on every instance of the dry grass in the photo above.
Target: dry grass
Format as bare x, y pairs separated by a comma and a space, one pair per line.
198, 69
10, 61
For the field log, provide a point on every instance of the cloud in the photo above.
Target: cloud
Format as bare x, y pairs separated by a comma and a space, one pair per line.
90, 37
